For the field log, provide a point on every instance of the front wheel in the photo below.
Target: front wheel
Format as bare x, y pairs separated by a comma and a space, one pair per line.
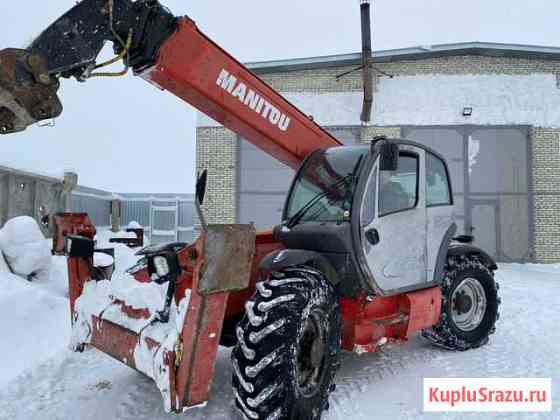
288, 348
470, 304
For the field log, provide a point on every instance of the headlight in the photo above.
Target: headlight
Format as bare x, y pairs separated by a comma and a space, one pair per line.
161, 265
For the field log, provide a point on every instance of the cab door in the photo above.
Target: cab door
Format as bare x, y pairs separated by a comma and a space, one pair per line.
439, 208
394, 224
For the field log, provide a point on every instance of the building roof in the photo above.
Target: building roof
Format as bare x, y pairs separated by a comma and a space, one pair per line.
415, 53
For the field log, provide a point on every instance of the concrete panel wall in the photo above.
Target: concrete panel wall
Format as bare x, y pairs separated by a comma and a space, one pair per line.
27, 194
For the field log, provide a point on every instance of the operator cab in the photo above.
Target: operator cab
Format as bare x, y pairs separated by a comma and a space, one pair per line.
380, 214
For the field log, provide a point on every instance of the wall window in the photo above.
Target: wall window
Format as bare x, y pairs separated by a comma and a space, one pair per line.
398, 190
438, 191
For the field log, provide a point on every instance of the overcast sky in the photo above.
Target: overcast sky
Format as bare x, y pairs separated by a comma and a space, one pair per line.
124, 135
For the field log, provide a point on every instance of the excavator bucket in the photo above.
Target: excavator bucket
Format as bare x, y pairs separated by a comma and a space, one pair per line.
27, 91
178, 353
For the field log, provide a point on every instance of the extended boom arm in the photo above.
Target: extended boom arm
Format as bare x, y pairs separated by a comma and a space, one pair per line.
170, 53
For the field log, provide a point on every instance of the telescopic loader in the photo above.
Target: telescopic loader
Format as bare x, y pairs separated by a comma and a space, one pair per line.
366, 252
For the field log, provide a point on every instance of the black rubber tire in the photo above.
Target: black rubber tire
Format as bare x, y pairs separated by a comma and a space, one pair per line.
446, 333
268, 338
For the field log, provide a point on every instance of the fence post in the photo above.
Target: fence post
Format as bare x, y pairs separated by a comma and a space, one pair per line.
115, 215
70, 182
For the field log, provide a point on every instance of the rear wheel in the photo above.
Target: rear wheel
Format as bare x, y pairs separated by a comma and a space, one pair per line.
288, 348
470, 305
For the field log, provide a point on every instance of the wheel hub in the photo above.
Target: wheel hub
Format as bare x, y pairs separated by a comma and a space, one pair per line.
463, 303
468, 304
311, 355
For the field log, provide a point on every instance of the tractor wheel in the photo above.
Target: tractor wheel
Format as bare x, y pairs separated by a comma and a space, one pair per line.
469, 308
288, 348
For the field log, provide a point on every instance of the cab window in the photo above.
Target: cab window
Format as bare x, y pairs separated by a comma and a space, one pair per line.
398, 190
438, 189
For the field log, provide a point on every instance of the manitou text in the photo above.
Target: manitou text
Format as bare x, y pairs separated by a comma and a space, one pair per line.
253, 100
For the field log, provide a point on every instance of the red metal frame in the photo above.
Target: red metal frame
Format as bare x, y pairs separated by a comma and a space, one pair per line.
65, 224
367, 323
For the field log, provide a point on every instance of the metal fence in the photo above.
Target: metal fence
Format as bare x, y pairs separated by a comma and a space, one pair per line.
164, 217
96, 203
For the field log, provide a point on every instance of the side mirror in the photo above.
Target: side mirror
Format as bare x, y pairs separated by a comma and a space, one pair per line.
389, 156
201, 186
199, 198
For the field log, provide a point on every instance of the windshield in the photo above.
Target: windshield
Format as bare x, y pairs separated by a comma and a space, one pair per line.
327, 172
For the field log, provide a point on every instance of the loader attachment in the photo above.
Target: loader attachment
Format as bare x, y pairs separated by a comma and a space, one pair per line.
179, 355
27, 90
69, 47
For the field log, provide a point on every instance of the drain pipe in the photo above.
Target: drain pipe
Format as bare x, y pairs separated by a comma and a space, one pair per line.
367, 62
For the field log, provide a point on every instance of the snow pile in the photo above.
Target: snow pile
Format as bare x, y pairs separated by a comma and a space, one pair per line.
35, 316
134, 225
34, 319
3, 265
25, 248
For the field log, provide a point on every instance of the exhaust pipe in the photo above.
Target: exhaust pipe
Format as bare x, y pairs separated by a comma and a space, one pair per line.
367, 62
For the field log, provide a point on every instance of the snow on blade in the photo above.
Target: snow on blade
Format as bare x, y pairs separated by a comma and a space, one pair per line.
152, 362
101, 259
95, 298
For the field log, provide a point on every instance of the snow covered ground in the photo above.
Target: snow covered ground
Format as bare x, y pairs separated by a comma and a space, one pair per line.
41, 379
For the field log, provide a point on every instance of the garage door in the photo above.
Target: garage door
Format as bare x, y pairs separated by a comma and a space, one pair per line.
490, 173
264, 182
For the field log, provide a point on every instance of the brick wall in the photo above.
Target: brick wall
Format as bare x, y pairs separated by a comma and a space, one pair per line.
216, 150
546, 186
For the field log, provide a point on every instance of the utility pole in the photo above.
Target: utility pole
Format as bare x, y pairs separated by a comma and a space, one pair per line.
367, 62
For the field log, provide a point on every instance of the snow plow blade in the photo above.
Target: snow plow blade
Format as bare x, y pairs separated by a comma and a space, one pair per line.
179, 356
27, 91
